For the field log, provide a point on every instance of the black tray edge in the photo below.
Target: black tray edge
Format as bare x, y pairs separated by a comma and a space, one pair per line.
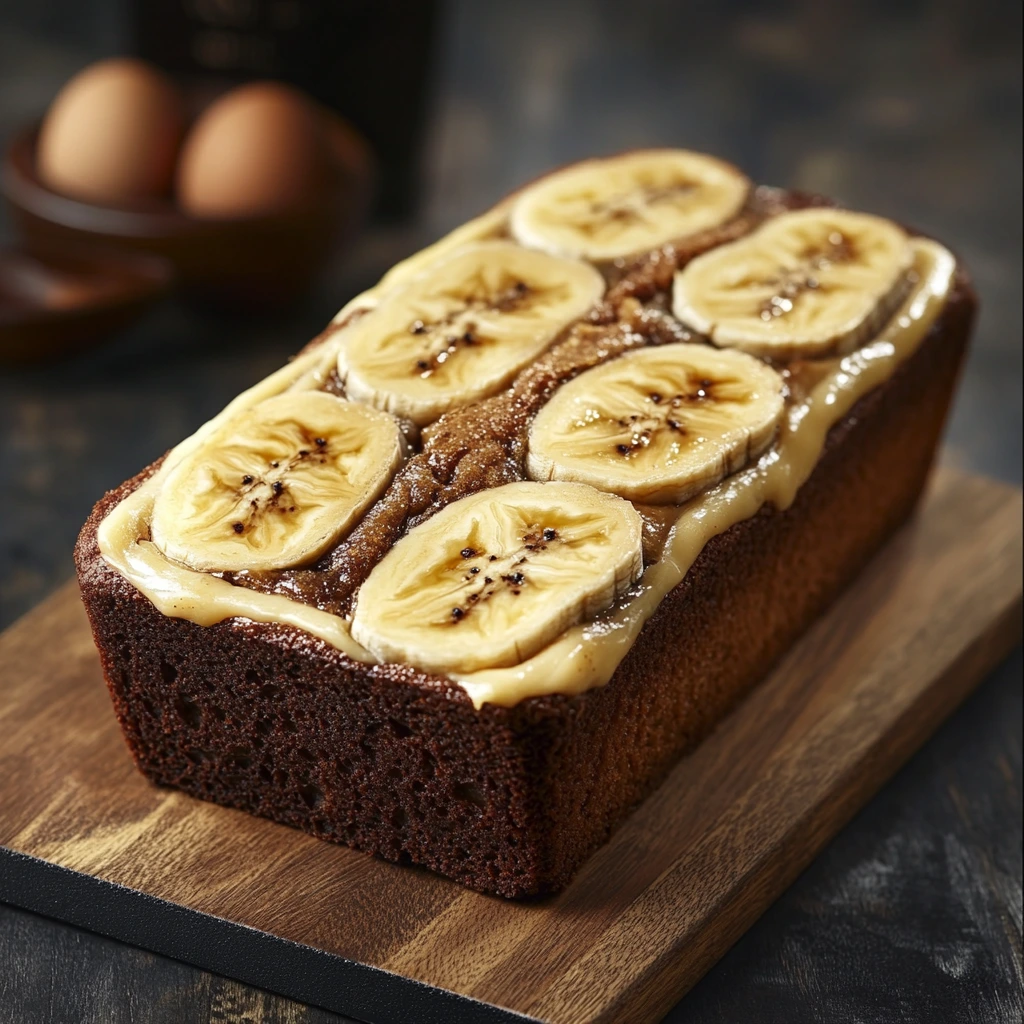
237, 951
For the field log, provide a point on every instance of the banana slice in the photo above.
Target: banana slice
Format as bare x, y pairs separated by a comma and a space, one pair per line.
494, 577
626, 205
812, 282
461, 330
277, 485
658, 425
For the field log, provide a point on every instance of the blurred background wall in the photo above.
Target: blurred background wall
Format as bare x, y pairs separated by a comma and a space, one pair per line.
911, 109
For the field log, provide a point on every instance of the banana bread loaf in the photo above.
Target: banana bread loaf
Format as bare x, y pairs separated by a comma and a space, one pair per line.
462, 582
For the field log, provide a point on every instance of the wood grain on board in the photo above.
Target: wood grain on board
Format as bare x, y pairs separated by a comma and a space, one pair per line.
650, 912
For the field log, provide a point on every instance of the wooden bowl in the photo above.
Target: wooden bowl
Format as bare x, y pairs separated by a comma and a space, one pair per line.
247, 263
53, 303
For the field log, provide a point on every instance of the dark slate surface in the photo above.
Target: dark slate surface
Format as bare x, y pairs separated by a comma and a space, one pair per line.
914, 912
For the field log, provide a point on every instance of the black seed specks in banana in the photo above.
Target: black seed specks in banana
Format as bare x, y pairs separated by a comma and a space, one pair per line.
658, 425
277, 485
808, 283
494, 577
461, 330
622, 206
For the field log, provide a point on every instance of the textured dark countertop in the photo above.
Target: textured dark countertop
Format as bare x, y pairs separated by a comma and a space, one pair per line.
913, 913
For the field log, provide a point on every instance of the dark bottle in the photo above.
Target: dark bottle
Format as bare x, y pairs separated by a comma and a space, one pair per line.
369, 60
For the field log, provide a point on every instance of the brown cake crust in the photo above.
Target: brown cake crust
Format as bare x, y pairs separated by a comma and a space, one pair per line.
396, 762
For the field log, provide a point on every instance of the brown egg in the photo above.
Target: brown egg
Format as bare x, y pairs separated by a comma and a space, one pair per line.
112, 134
259, 149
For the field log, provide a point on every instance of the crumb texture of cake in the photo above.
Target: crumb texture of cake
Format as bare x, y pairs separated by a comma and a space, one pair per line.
460, 583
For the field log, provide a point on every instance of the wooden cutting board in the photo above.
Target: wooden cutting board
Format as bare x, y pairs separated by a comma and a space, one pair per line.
86, 839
